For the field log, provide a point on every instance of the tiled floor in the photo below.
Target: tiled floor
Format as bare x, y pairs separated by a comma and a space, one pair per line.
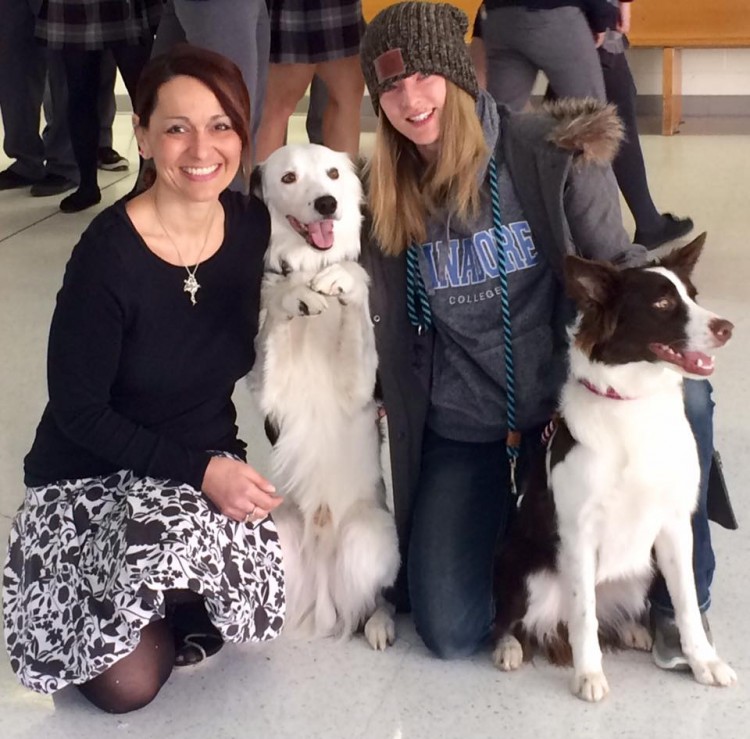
332, 690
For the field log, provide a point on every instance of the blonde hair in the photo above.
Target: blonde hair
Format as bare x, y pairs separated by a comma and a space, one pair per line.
404, 191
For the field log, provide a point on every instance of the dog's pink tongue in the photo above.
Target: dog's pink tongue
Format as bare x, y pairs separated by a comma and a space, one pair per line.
321, 233
698, 363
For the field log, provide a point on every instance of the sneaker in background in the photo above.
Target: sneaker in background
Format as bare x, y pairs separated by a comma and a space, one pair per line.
110, 161
667, 650
52, 184
671, 228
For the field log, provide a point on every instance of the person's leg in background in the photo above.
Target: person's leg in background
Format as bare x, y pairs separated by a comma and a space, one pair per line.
82, 73
461, 506
106, 157
342, 118
476, 49
316, 110
652, 228
170, 31
288, 82
699, 409
61, 168
259, 86
558, 42
238, 29
23, 71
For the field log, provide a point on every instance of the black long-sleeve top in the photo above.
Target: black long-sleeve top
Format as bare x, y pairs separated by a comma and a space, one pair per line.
599, 13
139, 378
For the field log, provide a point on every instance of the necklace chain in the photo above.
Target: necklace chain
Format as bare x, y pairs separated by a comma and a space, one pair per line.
190, 284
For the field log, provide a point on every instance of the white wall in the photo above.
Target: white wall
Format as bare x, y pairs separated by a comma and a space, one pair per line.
704, 72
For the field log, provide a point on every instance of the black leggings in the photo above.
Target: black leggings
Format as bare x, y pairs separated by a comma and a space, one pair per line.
628, 165
82, 71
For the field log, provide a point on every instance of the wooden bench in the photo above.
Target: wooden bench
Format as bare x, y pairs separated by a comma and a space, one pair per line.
673, 25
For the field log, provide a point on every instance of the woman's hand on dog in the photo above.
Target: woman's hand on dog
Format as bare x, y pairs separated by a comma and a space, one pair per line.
238, 491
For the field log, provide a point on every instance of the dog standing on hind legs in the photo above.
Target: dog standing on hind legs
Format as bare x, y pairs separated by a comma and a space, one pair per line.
621, 479
315, 377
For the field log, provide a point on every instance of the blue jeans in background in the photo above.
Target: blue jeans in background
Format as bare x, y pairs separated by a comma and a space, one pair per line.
699, 408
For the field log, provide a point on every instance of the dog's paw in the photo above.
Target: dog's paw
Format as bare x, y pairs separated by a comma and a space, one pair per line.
636, 636
380, 630
339, 281
589, 686
714, 672
508, 654
302, 301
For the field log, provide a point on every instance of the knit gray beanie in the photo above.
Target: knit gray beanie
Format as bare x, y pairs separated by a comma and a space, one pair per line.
413, 37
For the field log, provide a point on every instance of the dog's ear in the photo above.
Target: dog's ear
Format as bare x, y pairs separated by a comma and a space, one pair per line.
682, 261
256, 182
590, 284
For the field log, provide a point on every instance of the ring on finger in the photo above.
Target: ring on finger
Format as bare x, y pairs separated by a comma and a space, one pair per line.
250, 515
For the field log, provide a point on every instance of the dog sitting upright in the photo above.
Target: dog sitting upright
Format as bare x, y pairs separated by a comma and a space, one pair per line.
622, 479
317, 363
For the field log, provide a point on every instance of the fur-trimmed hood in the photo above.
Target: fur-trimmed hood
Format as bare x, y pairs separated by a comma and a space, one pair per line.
589, 129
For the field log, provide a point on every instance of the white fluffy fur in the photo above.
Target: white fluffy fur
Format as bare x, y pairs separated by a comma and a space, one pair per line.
629, 485
317, 364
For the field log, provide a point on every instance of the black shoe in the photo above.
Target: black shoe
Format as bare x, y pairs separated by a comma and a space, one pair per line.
109, 160
80, 200
52, 184
10, 180
190, 649
195, 637
671, 228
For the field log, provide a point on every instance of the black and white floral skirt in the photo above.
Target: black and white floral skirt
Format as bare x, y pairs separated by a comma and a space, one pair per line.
89, 561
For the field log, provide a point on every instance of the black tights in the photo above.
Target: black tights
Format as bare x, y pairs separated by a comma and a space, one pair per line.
134, 681
628, 165
82, 71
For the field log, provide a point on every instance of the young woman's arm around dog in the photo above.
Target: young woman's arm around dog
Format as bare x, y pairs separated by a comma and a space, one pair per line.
438, 301
141, 518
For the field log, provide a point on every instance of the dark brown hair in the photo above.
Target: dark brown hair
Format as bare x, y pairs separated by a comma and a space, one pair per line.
217, 73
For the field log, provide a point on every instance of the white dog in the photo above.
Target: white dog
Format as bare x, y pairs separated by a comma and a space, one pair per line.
317, 363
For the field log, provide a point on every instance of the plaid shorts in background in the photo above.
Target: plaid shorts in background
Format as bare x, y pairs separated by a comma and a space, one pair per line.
90, 25
312, 31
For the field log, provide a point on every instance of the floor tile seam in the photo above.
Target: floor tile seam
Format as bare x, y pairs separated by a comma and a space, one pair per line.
57, 212
376, 712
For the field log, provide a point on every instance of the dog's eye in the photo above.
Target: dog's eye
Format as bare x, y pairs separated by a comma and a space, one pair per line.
289, 178
333, 173
664, 304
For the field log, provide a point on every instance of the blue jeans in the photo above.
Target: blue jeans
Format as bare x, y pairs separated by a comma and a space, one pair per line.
463, 504
699, 408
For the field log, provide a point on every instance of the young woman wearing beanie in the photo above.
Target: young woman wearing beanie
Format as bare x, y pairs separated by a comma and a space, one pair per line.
450, 168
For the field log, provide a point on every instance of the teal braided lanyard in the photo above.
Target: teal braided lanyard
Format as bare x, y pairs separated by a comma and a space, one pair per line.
420, 316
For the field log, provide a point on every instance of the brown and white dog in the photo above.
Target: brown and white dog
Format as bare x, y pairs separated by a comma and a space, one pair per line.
315, 378
622, 479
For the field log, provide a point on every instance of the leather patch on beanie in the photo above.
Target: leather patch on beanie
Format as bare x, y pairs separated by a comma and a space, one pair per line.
390, 64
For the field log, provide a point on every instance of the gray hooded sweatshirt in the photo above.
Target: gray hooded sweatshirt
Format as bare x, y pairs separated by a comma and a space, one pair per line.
459, 264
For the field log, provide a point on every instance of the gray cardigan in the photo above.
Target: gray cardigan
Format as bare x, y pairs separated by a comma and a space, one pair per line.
559, 163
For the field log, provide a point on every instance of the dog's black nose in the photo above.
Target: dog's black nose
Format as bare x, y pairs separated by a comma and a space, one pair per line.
325, 205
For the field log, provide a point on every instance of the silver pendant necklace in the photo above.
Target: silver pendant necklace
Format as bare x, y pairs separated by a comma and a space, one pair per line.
190, 283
